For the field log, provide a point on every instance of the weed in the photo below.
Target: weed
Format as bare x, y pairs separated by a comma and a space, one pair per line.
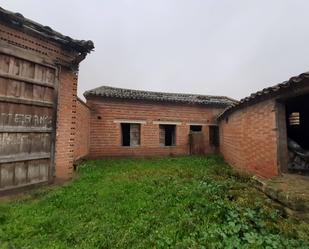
173, 202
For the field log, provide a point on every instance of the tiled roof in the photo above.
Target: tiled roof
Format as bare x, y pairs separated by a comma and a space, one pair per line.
121, 93
19, 21
268, 92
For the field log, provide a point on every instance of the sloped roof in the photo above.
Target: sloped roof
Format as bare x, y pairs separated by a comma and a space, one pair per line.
19, 21
268, 92
122, 93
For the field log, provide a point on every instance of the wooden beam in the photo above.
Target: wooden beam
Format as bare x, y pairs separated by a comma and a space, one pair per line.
23, 79
282, 143
26, 101
24, 54
24, 157
17, 129
21, 187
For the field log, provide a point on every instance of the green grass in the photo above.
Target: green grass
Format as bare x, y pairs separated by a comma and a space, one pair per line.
186, 202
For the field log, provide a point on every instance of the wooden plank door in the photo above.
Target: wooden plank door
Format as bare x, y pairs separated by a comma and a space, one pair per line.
27, 122
197, 144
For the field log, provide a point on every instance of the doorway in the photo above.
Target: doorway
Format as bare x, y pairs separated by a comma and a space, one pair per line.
296, 134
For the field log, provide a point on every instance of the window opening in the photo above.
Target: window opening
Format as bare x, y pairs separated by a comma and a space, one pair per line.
195, 128
130, 134
167, 135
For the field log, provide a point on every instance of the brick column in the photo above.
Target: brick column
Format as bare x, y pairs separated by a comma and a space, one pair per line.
66, 124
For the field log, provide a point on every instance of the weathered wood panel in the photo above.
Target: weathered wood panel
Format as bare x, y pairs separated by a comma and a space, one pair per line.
27, 121
12, 88
162, 136
135, 131
20, 115
197, 143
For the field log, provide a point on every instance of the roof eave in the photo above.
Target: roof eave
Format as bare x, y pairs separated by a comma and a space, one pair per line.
88, 95
18, 21
266, 93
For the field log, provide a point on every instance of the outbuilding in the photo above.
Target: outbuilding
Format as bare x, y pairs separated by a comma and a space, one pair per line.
38, 87
267, 133
126, 122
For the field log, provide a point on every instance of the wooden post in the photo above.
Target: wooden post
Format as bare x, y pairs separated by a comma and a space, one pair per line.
282, 147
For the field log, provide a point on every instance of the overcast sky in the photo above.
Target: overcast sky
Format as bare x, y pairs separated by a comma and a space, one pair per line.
217, 47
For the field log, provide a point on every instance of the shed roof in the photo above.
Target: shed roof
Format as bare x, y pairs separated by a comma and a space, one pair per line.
269, 92
19, 21
122, 93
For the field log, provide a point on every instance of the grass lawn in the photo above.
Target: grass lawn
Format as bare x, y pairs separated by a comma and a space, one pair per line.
185, 202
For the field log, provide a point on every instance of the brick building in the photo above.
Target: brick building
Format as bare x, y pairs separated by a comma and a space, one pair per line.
267, 133
44, 127
82, 138
38, 85
128, 122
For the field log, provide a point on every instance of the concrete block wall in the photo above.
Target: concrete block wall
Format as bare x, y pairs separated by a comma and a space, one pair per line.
248, 139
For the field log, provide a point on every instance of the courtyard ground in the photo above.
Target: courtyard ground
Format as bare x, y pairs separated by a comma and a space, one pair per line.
175, 202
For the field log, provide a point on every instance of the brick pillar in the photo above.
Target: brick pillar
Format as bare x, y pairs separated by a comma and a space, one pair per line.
66, 124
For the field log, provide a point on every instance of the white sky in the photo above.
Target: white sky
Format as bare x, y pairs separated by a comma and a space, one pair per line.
218, 47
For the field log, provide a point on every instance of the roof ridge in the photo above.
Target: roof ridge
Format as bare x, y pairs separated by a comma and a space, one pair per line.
158, 92
189, 98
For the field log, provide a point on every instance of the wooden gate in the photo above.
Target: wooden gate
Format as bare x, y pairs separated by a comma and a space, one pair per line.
197, 145
27, 122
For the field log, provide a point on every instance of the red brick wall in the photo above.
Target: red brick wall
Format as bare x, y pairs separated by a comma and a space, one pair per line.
105, 135
42, 49
248, 139
66, 124
82, 141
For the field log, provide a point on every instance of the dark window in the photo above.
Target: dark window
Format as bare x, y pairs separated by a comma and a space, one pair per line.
214, 135
297, 120
167, 135
195, 128
125, 132
130, 134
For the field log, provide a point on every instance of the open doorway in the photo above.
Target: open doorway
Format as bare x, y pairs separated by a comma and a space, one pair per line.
297, 132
